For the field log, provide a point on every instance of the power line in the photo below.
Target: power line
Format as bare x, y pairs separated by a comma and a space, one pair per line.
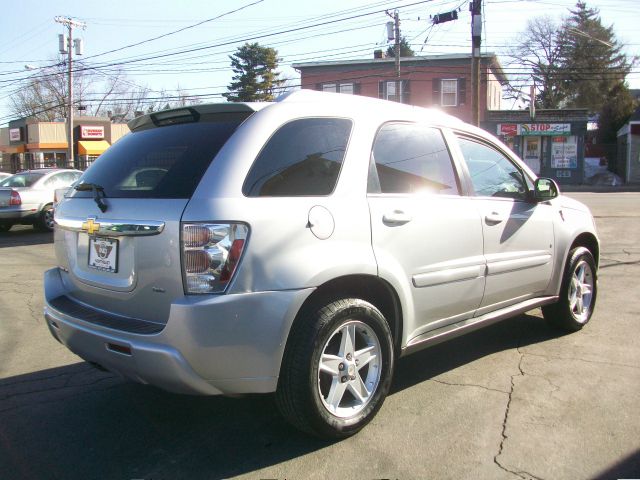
177, 31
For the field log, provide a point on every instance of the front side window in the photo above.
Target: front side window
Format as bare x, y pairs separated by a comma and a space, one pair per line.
303, 158
492, 174
412, 158
449, 93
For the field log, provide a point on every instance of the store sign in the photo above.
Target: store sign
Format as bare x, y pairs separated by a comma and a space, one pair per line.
508, 129
544, 129
91, 132
15, 134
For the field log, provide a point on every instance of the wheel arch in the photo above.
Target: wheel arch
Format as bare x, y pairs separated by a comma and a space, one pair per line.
590, 242
366, 287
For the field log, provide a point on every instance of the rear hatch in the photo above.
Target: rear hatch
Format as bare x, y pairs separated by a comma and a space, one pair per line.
118, 235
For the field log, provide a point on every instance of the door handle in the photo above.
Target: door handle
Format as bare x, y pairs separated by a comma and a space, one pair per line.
494, 218
397, 217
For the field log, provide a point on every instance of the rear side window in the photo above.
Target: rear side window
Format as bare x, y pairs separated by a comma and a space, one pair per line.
303, 158
21, 180
411, 158
163, 162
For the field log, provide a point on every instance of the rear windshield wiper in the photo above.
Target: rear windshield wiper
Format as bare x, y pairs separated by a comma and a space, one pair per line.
97, 191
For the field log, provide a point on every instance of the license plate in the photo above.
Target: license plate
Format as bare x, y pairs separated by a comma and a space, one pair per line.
103, 254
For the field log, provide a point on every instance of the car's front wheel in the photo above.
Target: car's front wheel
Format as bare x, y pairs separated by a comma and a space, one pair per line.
578, 293
337, 369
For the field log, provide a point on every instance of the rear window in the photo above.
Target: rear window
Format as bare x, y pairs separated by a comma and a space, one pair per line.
21, 180
163, 162
303, 158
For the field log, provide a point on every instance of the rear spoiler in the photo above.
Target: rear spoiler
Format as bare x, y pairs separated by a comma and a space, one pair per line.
191, 113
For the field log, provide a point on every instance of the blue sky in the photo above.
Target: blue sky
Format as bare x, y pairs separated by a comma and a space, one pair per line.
30, 35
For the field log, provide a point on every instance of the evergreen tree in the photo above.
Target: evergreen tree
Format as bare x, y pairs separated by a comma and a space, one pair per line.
255, 76
405, 49
593, 61
615, 112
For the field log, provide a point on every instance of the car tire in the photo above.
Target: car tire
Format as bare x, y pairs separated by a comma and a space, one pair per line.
5, 227
45, 222
577, 295
337, 369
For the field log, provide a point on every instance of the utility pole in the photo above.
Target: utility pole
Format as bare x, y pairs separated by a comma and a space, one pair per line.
396, 30
66, 46
476, 36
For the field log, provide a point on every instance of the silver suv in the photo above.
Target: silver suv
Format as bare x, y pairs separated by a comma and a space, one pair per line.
300, 247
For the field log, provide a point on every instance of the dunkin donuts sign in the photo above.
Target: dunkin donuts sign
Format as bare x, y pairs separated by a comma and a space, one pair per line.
91, 132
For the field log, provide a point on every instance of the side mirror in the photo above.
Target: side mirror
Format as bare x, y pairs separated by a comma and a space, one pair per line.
545, 189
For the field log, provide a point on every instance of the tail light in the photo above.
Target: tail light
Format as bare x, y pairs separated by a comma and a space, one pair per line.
211, 253
15, 198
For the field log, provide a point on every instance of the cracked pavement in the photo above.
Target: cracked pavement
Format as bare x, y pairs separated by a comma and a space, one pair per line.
514, 400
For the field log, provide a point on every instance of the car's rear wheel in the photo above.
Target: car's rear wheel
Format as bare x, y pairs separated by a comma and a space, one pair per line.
46, 222
578, 293
337, 369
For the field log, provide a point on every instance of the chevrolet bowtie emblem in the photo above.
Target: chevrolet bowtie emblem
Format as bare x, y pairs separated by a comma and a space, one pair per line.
91, 226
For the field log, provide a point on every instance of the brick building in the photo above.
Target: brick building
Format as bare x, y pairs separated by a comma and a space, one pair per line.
442, 81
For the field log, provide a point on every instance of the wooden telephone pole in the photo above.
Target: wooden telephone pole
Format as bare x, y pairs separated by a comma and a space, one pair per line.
476, 36
396, 30
66, 46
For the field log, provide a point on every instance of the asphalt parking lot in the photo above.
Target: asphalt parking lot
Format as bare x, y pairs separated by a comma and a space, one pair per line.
515, 400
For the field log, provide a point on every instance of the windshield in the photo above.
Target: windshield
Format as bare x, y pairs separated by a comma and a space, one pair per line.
21, 180
162, 162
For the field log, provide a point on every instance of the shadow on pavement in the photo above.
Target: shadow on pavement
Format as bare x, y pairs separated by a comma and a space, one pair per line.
78, 422
628, 467
21, 235
516, 332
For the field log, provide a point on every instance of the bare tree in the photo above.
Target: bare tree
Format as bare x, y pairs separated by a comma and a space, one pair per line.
45, 94
102, 94
537, 59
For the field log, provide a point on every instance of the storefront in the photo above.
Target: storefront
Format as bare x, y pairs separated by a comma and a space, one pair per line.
90, 145
28, 144
551, 144
628, 160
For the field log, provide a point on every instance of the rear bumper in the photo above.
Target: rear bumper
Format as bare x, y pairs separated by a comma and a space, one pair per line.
224, 344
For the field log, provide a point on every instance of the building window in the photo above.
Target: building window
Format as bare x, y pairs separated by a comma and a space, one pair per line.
347, 88
449, 93
394, 90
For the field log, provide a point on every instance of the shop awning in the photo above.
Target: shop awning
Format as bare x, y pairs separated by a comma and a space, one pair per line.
92, 147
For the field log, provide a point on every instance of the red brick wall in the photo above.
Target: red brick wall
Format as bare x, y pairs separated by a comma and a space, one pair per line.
367, 78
